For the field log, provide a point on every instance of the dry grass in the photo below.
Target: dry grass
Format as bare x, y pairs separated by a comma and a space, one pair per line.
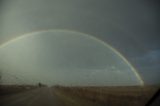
110, 96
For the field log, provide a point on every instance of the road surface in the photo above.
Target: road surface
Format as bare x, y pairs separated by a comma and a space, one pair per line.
37, 97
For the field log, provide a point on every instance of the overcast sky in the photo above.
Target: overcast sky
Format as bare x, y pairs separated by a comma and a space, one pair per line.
130, 26
65, 57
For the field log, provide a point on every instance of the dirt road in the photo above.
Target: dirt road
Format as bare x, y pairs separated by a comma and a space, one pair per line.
38, 97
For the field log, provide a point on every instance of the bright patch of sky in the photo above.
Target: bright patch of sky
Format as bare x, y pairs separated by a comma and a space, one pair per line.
64, 57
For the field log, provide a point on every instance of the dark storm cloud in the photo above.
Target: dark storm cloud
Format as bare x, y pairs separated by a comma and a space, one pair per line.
130, 26
149, 66
125, 24
151, 58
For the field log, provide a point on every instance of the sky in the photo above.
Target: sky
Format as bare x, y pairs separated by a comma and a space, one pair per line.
131, 27
66, 58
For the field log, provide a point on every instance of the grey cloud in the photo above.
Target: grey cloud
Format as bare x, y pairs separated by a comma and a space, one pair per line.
130, 26
66, 57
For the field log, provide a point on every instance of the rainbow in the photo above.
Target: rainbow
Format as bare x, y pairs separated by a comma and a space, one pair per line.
71, 31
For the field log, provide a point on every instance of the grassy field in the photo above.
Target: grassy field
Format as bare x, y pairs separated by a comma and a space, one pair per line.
12, 89
106, 96
93, 96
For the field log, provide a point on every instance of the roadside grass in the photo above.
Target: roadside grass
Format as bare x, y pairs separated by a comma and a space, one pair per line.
73, 100
13, 89
106, 96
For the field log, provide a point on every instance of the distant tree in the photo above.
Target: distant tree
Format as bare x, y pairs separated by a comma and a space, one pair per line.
39, 84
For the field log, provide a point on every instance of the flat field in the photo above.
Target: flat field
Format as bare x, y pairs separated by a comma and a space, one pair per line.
14, 89
30, 95
106, 96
